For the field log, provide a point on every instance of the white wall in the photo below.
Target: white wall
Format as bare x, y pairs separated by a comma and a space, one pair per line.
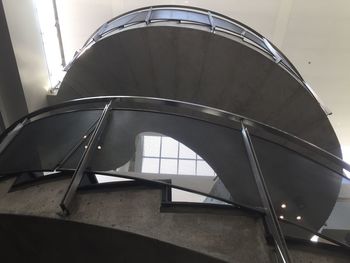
28, 48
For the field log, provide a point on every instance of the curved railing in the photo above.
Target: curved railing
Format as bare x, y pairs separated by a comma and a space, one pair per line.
257, 167
221, 114
214, 21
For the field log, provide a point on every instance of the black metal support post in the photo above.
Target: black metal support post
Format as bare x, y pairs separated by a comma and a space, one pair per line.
84, 160
271, 218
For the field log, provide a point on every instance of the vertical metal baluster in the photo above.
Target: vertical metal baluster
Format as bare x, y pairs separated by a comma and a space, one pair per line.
271, 218
84, 160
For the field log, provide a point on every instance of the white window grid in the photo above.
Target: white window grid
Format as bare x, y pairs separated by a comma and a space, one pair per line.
196, 159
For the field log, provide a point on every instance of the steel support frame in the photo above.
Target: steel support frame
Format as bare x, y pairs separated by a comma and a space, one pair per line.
270, 215
84, 160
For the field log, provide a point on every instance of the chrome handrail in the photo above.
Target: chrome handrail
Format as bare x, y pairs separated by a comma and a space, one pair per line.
210, 111
213, 20
115, 103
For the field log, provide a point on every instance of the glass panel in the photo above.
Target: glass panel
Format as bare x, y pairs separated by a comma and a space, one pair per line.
256, 40
227, 25
124, 20
296, 232
123, 152
305, 192
337, 225
43, 144
179, 15
110, 179
185, 196
71, 161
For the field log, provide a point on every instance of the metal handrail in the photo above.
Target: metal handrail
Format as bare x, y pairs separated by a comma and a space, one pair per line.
115, 103
210, 111
264, 44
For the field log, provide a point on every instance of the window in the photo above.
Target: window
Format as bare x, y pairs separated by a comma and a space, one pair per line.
164, 155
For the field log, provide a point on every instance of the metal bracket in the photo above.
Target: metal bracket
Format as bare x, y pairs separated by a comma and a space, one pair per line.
148, 16
90, 149
99, 32
271, 218
273, 51
211, 20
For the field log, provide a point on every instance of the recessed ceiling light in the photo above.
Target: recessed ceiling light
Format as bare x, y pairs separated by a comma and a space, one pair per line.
298, 217
283, 205
84, 136
281, 217
99, 147
85, 146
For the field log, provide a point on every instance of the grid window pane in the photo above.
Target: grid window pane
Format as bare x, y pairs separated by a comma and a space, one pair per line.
169, 147
151, 146
150, 165
186, 152
187, 167
204, 169
168, 166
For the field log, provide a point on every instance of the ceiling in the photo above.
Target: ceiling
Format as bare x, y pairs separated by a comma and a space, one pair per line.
313, 34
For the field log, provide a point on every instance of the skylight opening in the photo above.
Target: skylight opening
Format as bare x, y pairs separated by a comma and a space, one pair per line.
51, 41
